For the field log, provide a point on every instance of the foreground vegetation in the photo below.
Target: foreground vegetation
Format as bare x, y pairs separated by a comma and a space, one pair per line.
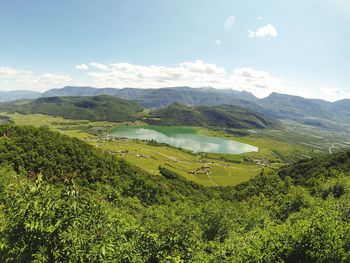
63, 200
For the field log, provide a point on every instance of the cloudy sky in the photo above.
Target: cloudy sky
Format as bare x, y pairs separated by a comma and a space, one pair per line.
294, 47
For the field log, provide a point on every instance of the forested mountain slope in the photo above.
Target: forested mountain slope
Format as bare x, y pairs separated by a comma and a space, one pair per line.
109, 108
95, 108
282, 106
226, 116
62, 200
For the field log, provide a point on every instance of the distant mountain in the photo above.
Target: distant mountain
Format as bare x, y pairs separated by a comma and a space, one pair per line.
95, 108
70, 91
110, 108
156, 98
281, 106
18, 94
225, 116
341, 108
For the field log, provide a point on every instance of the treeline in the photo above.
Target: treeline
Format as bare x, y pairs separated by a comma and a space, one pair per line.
62, 200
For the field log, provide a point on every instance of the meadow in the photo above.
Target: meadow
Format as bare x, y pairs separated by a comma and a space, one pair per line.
208, 169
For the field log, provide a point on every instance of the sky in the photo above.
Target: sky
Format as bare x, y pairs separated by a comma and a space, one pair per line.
294, 47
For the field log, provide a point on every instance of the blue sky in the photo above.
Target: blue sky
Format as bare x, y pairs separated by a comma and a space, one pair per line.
295, 47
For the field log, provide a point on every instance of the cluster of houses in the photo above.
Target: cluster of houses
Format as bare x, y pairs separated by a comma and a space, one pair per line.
142, 156
126, 152
205, 169
262, 162
134, 123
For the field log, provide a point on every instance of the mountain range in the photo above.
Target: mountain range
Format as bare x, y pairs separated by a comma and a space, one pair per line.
280, 106
110, 108
157, 98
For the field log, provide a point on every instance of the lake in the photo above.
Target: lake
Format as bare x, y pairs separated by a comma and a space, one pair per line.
183, 137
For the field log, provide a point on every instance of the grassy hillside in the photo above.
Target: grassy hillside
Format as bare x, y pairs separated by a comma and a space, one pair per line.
62, 200
88, 108
226, 116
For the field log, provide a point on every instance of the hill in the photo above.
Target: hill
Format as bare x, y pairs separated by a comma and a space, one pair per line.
286, 107
63, 200
62, 159
110, 108
296, 108
95, 108
225, 116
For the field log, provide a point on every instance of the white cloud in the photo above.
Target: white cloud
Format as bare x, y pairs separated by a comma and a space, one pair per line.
52, 78
194, 74
12, 79
98, 66
202, 68
82, 67
230, 20
259, 82
334, 93
268, 31
12, 72
261, 18
190, 73
218, 42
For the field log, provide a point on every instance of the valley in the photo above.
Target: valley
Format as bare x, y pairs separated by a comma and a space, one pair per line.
174, 131
275, 148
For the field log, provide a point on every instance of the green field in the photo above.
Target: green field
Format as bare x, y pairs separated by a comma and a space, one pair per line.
222, 169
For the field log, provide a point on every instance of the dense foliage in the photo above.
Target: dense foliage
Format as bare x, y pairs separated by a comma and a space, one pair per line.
95, 108
33, 151
62, 200
226, 116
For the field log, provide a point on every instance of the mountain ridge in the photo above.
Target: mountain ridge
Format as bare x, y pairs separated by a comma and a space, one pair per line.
281, 106
224, 116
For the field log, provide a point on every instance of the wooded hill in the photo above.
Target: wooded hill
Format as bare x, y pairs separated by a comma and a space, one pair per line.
97, 108
225, 116
62, 200
109, 108
314, 112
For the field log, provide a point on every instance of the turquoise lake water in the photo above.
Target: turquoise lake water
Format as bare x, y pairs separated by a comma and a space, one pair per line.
184, 137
